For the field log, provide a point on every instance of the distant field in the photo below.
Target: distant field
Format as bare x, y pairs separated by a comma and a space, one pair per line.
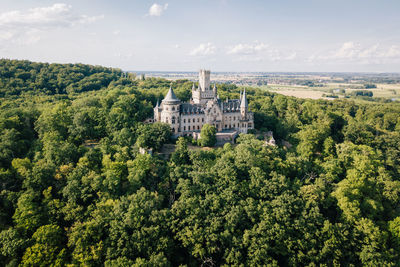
391, 91
304, 85
297, 91
301, 93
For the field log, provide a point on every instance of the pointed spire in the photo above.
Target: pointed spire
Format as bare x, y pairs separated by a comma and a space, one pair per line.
158, 103
193, 88
240, 98
243, 103
170, 97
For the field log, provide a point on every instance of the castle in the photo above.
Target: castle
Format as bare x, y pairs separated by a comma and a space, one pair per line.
229, 117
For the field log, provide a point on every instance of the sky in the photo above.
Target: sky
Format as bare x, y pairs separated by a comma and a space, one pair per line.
221, 35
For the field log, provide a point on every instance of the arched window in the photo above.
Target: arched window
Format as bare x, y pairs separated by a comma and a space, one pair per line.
166, 108
173, 119
173, 108
184, 128
189, 127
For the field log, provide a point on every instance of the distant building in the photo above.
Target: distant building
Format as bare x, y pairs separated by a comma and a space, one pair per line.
230, 116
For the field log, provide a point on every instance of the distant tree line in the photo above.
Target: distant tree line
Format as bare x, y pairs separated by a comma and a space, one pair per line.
362, 93
18, 77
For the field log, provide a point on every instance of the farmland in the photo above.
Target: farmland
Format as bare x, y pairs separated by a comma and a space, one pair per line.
383, 86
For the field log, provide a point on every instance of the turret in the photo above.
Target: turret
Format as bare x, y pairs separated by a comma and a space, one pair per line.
157, 115
170, 110
170, 98
244, 105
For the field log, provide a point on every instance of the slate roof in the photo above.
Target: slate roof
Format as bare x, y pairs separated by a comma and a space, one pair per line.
170, 97
187, 108
233, 105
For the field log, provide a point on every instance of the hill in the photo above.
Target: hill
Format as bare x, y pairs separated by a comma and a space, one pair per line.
74, 188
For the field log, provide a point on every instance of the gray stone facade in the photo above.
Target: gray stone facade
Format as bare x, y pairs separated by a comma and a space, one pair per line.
204, 107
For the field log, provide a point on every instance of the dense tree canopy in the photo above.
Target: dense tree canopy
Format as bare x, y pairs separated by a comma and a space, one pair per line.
208, 135
74, 189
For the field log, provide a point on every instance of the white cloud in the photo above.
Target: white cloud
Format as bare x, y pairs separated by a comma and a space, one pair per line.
156, 10
392, 52
203, 50
258, 51
353, 52
28, 37
25, 27
51, 16
247, 49
347, 50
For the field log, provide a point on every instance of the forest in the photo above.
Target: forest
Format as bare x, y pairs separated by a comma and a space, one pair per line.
75, 191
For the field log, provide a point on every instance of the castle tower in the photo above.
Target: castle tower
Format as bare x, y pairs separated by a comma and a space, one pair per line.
204, 93
170, 110
204, 80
